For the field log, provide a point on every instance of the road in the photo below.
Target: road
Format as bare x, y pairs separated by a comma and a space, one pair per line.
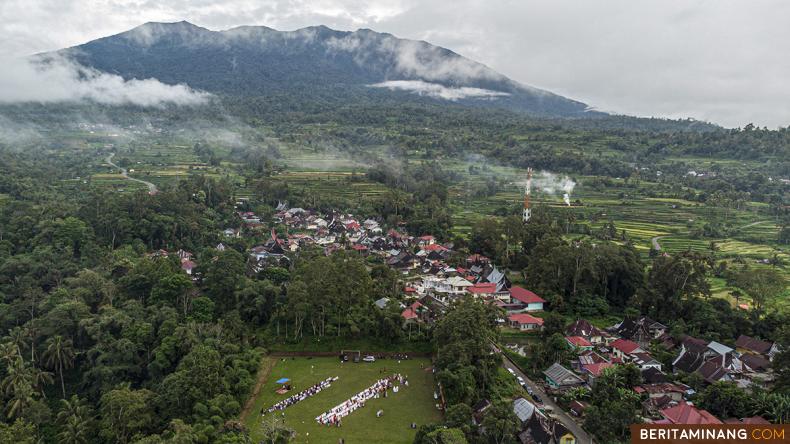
582, 437
151, 187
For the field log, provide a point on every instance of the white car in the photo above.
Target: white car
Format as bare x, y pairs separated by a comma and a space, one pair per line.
369, 358
511, 371
520, 380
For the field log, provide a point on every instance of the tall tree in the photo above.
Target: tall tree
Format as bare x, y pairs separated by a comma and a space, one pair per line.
59, 355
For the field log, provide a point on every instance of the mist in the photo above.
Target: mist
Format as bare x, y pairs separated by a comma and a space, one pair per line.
438, 91
59, 80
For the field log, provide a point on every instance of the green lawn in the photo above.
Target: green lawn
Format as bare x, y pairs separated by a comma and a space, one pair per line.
414, 403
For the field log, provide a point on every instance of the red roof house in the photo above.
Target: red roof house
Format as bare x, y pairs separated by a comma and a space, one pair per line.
595, 370
578, 342
688, 414
526, 297
482, 289
623, 347
524, 321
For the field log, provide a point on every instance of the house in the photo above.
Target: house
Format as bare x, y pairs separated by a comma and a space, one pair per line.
587, 331
753, 346
651, 375
578, 343
477, 259
674, 392
231, 232
541, 429
755, 363
537, 428
492, 274
479, 411
693, 353
531, 301
644, 361
416, 312
427, 239
482, 290
382, 303
719, 349
455, 285
593, 371
523, 410
588, 357
188, 266
623, 347
525, 322
685, 413
713, 371
641, 330
559, 377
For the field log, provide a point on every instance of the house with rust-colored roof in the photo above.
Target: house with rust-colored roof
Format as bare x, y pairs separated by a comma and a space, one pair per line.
525, 321
688, 414
623, 347
530, 300
578, 343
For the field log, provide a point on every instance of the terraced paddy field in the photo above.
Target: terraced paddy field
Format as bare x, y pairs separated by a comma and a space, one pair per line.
412, 404
345, 184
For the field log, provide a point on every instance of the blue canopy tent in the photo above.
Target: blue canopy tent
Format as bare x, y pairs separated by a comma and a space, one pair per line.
282, 380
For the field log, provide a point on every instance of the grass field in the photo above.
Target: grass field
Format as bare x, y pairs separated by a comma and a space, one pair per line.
414, 403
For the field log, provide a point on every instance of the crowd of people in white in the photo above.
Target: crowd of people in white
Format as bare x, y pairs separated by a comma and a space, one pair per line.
378, 389
304, 394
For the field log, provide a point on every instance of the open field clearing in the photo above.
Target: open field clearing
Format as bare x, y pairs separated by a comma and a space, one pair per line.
412, 404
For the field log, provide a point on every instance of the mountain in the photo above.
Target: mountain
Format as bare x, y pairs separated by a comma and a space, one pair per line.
316, 62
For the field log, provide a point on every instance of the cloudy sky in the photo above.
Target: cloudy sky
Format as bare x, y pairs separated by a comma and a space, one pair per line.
720, 60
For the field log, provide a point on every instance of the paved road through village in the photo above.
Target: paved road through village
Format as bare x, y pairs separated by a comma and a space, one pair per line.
582, 437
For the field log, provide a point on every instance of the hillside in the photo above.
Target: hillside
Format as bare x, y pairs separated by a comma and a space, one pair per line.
317, 63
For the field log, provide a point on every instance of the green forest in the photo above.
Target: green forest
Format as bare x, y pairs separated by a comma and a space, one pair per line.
106, 341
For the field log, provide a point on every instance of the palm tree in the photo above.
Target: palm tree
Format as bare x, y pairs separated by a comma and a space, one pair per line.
74, 431
18, 386
9, 352
73, 406
18, 337
59, 355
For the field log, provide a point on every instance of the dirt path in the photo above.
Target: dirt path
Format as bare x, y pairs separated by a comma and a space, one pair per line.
655, 243
151, 187
753, 224
263, 374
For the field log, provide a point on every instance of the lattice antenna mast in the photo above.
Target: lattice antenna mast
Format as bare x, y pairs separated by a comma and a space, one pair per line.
527, 191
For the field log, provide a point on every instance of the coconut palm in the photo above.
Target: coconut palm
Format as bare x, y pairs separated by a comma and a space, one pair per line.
73, 406
59, 355
74, 431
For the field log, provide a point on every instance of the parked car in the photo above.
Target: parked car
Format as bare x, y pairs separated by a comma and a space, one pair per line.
369, 358
511, 371
527, 388
536, 397
520, 380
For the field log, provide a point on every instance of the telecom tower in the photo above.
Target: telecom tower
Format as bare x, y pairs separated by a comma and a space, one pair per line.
527, 189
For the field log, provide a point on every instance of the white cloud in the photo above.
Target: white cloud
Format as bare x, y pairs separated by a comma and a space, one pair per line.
59, 80
439, 91
721, 60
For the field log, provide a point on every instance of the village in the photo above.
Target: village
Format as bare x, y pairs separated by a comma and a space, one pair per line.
433, 277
